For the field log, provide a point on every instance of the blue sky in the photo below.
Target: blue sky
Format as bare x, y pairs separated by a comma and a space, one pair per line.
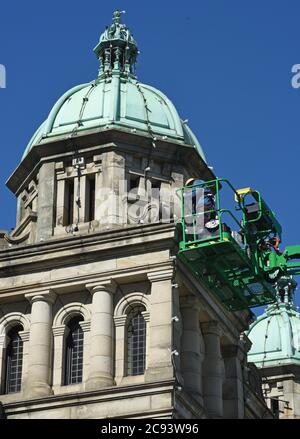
226, 65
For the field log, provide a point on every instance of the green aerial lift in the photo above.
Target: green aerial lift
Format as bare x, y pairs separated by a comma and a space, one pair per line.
235, 252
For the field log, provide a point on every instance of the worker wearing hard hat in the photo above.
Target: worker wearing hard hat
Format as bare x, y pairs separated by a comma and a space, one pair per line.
200, 209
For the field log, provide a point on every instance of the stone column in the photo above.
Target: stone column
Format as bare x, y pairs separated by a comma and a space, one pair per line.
101, 336
160, 361
212, 370
40, 344
46, 201
233, 388
192, 348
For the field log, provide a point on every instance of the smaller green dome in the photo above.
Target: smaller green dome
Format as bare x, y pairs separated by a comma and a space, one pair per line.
275, 336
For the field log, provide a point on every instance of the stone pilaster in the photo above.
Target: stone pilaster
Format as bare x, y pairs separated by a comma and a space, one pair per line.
110, 191
192, 348
212, 370
120, 323
101, 336
177, 183
20, 209
59, 333
40, 344
46, 201
160, 349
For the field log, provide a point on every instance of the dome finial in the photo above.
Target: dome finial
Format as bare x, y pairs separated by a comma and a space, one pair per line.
285, 290
117, 16
117, 50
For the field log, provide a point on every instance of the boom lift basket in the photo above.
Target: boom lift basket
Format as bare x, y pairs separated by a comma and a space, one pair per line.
214, 245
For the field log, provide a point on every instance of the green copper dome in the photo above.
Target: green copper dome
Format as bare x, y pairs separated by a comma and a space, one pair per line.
115, 99
275, 335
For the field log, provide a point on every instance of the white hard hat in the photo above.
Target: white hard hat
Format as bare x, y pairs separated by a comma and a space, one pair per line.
190, 181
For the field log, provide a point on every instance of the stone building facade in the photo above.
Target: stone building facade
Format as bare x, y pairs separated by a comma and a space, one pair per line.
98, 317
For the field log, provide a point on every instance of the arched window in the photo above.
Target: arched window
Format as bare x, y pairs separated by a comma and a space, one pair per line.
14, 360
136, 341
74, 352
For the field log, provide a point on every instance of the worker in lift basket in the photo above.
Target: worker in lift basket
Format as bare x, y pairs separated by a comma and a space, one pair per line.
200, 210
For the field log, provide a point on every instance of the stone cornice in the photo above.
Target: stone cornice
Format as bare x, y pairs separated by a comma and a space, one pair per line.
103, 139
280, 372
99, 396
117, 242
78, 283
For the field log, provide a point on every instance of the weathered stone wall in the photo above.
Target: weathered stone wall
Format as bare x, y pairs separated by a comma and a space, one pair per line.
51, 270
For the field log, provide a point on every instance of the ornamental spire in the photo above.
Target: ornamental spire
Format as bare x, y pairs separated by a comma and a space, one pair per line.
117, 50
117, 16
285, 290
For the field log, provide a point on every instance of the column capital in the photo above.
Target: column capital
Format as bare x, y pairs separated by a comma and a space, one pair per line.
212, 327
102, 285
41, 296
161, 275
190, 302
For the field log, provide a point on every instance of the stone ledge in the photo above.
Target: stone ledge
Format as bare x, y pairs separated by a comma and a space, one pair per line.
99, 397
78, 282
115, 242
